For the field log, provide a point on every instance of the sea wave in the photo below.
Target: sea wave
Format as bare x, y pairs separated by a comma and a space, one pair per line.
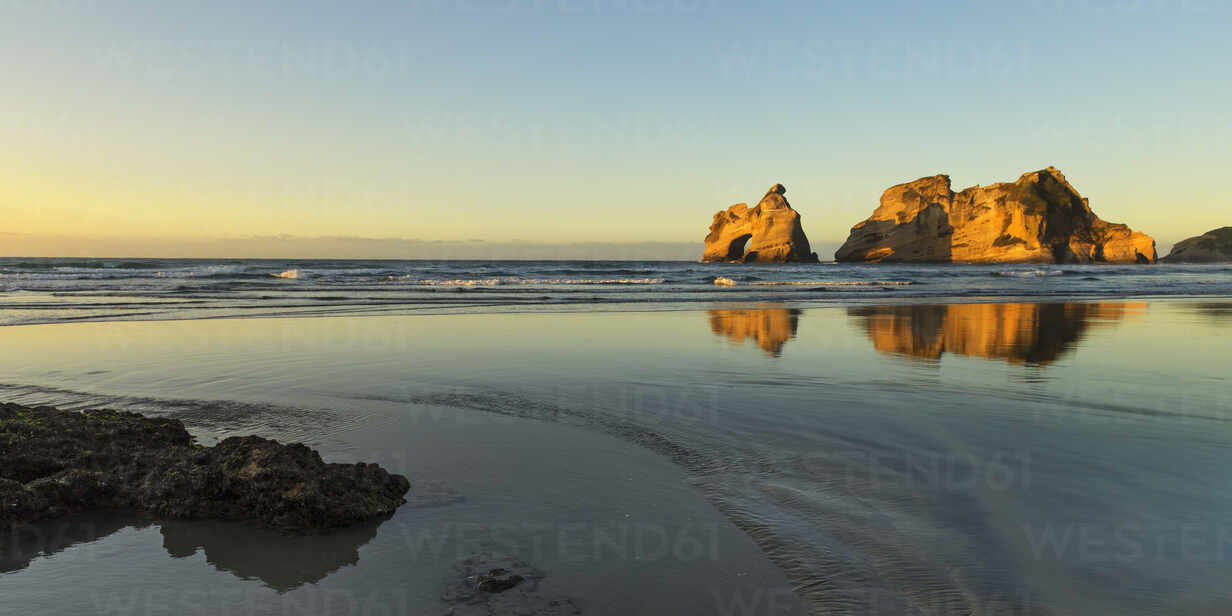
492, 282
833, 283
598, 271
1037, 273
753, 281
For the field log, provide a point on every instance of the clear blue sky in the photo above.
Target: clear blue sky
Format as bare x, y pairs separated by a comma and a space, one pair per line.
594, 120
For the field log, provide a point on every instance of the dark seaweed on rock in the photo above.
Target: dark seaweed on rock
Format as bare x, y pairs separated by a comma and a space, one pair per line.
57, 462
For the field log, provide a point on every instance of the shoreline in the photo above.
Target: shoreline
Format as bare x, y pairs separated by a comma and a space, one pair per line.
636, 307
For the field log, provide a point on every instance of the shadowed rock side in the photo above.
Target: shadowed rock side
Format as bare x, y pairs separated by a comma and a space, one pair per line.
1040, 218
768, 233
770, 328
57, 462
1035, 334
1214, 246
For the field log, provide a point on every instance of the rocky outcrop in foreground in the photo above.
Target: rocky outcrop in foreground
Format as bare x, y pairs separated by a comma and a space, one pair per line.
1211, 247
768, 233
1040, 218
55, 462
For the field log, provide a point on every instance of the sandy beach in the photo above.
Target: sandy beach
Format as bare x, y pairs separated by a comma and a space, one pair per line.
719, 461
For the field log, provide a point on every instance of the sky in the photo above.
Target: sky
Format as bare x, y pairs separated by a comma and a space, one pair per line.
139, 126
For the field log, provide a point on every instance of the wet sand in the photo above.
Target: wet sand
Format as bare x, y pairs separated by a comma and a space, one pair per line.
616, 529
885, 459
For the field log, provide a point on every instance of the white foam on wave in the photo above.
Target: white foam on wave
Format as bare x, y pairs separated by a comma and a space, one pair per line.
486, 282
492, 282
596, 281
832, 283
110, 273
724, 282
1038, 273
292, 274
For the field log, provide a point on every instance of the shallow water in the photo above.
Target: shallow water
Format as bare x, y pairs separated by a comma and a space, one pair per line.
892, 458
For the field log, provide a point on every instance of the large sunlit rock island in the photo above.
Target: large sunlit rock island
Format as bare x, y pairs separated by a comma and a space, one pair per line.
1039, 218
768, 233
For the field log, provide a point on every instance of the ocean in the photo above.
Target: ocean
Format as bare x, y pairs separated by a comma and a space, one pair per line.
668, 437
54, 290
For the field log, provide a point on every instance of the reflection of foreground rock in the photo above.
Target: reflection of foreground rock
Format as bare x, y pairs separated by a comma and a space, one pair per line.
29, 541
56, 462
770, 328
1021, 333
282, 561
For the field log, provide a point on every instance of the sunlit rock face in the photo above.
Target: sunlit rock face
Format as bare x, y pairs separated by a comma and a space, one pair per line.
1040, 218
769, 328
1018, 333
768, 233
1214, 246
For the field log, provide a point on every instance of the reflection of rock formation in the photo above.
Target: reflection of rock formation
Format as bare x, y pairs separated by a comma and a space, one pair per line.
283, 562
30, 541
1218, 313
770, 328
1020, 333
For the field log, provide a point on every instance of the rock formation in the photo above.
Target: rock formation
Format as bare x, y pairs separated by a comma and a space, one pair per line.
768, 233
492, 584
1038, 219
1210, 247
55, 462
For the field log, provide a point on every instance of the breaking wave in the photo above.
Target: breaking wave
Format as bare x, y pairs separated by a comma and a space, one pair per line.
1037, 273
728, 282
492, 282
833, 283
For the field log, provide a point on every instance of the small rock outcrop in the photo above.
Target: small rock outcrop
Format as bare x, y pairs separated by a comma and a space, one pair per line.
55, 462
489, 584
1040, 218
1211, 247
768, 233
